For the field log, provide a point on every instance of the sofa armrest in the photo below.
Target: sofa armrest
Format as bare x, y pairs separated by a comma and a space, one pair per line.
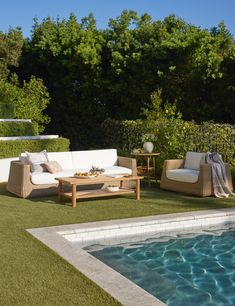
19, 178
173, 164
128, 163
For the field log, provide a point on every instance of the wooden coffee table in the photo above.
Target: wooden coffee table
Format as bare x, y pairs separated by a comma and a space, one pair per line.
94, 193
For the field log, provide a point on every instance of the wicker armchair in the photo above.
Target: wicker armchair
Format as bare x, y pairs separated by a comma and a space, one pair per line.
202, 187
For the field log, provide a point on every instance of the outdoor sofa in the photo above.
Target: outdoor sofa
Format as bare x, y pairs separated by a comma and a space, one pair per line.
190, 175
25, 183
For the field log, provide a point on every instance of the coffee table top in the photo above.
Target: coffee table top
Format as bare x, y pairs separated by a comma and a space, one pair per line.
71, 180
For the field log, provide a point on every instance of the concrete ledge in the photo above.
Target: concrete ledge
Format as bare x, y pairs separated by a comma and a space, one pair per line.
15, 120
29, 137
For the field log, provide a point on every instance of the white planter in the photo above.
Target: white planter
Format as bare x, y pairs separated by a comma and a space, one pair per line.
148, 147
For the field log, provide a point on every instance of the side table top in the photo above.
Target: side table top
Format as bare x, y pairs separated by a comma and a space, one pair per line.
145, 154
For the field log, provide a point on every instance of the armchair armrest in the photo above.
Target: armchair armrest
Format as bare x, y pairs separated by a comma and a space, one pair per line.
229, 176
128, 163
173, 164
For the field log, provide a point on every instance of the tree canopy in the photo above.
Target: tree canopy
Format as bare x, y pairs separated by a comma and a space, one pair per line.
94, 74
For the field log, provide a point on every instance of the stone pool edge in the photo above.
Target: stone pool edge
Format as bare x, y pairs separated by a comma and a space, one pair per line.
122, 289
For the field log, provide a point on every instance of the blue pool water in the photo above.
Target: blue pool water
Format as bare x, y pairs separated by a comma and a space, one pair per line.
186, 271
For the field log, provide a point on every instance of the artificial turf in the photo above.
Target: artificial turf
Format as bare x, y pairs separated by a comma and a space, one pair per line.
32, 274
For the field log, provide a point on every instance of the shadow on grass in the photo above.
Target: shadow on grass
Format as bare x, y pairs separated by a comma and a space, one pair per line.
153, 199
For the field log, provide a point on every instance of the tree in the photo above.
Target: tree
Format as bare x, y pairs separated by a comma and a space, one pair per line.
10, 50
28, 101
66, 54
93, 74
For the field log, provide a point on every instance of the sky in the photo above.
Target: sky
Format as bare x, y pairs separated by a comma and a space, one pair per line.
202, 13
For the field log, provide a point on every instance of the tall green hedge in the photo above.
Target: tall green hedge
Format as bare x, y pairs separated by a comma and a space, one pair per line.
17, 128
7, 110
172, 138
13, 148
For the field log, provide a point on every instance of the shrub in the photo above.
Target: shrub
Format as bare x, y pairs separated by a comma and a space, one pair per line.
17, 128
28, 101
173, 137
13, 148
124, 135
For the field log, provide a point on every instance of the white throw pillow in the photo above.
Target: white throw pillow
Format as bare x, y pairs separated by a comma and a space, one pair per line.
193, 160
37, 160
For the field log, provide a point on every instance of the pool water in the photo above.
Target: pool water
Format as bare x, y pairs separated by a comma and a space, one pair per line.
196, 270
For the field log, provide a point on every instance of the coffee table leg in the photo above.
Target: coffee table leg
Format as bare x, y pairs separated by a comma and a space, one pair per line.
137, 190
74, 196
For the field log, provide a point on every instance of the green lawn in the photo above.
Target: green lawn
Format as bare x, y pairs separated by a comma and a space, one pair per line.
32, 274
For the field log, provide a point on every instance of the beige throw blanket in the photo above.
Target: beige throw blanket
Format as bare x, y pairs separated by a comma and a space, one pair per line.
219, 176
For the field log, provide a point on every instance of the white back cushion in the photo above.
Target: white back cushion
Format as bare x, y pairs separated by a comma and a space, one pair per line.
97, 158
193, 160
63, 158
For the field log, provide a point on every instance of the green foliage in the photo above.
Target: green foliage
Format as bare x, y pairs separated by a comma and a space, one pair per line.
14, 128
66, 54
10, 50
92, 74
12, 148
173, 138
124, 135
7, 110
28, 101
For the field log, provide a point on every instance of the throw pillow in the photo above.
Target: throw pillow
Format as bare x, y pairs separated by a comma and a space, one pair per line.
53, 166
37, 161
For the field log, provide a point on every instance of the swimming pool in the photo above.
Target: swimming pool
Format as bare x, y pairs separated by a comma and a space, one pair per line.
195, 270
71, 242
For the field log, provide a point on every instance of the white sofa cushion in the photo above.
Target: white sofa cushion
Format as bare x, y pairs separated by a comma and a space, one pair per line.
183, 175
97, 158
193, 160
49, 178
63, 158
117, 170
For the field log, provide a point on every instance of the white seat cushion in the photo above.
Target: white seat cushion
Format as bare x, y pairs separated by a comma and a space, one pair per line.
49, 178
183, 175
193, 160
117, 170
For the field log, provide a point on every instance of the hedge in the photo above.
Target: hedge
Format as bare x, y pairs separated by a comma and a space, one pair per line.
7, 110
13, 148
172, 138
17, 128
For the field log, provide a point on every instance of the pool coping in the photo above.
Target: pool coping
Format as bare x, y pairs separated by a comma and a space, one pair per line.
118, 286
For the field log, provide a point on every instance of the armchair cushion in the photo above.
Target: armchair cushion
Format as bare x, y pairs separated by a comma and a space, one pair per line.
193, 160
183, 175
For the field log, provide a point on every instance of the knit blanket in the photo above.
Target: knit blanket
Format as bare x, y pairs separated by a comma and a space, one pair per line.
219, 175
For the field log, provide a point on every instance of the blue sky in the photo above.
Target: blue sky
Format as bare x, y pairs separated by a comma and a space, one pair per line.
202, 13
